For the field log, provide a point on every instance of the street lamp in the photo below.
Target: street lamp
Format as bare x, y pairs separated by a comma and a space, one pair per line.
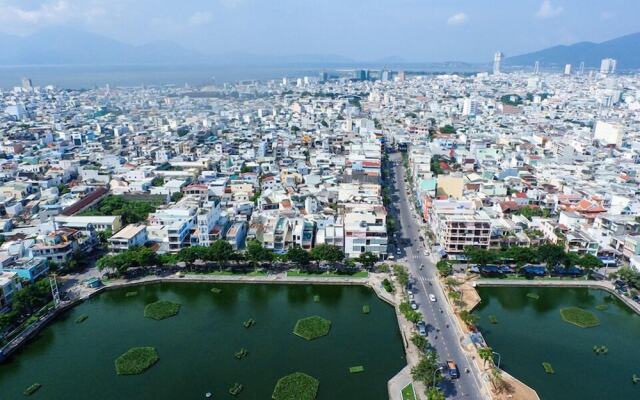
499, 358
439, 369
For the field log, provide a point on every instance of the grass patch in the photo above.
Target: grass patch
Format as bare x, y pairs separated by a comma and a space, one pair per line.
493, 319
548, 368
242, 353
32, 389
579, 317
533, 296
602, 307
216, 290
600, 350
131, 294
136, 360
357, 369
297, 386
161, 309
359, 274
249, 323
235, 389
408, 393
366, 309
311, 328
81, 319
316, 298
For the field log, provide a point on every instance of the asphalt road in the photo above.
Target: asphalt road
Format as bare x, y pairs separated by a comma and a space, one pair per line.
442, 332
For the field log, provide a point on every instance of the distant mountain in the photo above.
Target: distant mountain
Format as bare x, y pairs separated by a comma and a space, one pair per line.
625, 49
68, 46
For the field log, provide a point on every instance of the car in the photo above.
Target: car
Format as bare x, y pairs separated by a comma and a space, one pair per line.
411, 297
414, 306
432, 297
452, 369
398, 252
422, 328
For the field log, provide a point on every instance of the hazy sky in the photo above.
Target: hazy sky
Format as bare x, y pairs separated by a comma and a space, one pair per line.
415, 30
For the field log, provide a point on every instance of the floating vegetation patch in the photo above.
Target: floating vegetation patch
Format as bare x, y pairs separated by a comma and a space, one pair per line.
357, 369
316, 298
533, 296
235, 389
216, 290
600, 350
161, 309
131, 294
242, 353
312, 327
579, 317
366, 309
548, 368
136, 360
249, 323
32, 389
81, 319
493, 319
602, 307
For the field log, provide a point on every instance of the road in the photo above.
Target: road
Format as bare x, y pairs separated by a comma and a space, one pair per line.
438, 314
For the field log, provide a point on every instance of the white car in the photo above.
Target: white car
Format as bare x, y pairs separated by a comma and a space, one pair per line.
432, 297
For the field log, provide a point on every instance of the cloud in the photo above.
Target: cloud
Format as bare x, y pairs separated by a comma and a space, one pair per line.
457, 19
199, 18
21, 19
607, 15
547, 10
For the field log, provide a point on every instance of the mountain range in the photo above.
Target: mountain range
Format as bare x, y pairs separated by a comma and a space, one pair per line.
625, 49
63, 46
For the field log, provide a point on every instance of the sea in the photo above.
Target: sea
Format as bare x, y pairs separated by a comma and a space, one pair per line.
91, 76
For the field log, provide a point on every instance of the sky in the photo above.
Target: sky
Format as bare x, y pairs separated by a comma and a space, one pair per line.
363, 30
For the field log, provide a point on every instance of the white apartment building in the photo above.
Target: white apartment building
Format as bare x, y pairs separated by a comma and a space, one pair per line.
365, 230
457, 224
130, 236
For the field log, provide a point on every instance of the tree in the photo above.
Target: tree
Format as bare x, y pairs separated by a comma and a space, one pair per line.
367, 259
103, 236
157, 181
175, 197
470, 319
435, 393
590, 262
425, 370
480, 256
551, 254
486, 354
444, 268
329, 253
401, 274
299, 257
256, 253
570, 259
221, 252
419, 341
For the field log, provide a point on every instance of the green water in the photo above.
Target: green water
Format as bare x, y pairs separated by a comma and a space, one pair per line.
196, 348
530, 332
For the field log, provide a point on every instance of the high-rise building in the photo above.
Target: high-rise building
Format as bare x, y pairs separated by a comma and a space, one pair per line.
608, 66
497, 62
567, 69
469, 107
27, 85
581, 69
401, 76
536, 68
323, 76
385, 75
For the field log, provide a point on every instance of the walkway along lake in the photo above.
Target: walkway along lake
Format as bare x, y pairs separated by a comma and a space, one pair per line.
196, 348
531, 331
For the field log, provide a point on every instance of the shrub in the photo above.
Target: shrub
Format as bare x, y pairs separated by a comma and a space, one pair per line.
161, 310
136, 360
32, 389
297, 386
579, 317
311, 328
387, 285
235, 389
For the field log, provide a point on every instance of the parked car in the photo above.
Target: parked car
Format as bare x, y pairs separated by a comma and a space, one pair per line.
432, 297
414, 306
422, 328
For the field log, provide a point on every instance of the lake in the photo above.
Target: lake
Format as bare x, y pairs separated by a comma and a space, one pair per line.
196, 347
530, 332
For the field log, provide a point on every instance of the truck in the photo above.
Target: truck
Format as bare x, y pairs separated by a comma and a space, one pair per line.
452, 368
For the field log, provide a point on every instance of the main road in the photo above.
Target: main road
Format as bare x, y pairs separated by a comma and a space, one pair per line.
443, 334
